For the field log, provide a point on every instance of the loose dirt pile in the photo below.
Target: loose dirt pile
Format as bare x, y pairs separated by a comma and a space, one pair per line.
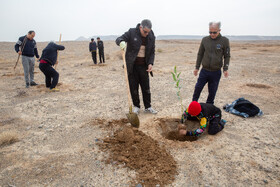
134, 149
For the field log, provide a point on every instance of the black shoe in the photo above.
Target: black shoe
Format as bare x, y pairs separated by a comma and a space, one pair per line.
27, 85
33, 84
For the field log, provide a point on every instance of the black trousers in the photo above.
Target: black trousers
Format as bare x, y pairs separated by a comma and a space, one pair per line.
210, 77
101, 55
51, 75
93, 54
140, 77
214, 124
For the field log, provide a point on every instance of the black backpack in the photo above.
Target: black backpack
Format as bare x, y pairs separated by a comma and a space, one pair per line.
247, 107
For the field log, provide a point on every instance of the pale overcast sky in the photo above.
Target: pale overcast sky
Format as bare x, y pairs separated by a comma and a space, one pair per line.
74, 18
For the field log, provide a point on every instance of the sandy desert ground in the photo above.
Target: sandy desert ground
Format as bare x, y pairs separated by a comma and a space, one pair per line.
80, 137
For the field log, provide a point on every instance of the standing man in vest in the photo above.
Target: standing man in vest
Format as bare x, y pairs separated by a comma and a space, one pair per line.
213, 54
92, 49
140, 55
29, 49
100, 46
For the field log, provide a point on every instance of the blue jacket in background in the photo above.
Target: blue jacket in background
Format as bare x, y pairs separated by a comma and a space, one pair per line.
92, 46
49, 54
30, 47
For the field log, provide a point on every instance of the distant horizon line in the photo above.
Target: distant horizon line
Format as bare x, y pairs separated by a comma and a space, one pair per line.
176, 36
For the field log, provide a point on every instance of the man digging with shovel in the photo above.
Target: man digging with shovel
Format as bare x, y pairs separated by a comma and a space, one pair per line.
140, 55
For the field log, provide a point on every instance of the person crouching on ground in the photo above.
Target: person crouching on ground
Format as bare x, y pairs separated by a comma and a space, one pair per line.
47, 60
207, 114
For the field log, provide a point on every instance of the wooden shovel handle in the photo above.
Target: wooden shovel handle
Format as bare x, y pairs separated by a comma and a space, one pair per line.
126, 78
57, 52
16, 62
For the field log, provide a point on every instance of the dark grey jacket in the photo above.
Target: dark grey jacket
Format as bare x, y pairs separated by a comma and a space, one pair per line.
49, 54
134, 41
213, 54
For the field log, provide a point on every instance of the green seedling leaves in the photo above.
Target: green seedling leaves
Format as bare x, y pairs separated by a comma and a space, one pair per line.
174, 76
176, 79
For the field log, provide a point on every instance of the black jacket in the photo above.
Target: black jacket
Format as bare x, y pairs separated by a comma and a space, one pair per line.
134, 41
209, 110
100, 45
49, 54
92, 46
30, 47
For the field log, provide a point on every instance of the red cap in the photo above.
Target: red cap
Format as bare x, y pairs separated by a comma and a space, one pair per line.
194, 108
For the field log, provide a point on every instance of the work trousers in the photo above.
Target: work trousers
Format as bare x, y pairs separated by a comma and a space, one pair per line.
101, 55
93, 54
210, 77
51, 75
140, 76
28, 68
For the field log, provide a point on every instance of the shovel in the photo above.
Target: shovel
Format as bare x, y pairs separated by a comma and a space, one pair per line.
22, 47
131, 116
57, 52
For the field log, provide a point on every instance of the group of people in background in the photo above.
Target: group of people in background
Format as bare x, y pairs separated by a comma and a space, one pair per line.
93, 49
139, 42
26, 47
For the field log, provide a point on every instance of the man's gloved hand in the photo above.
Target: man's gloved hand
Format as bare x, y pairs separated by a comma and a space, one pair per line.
122, 45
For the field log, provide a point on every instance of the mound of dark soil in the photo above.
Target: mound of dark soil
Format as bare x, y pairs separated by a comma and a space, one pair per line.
132, 148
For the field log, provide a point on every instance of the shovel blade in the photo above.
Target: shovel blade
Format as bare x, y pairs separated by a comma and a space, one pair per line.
133, 119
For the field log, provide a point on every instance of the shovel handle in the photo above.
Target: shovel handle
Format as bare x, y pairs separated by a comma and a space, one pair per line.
57, 52
126, 78
17, 61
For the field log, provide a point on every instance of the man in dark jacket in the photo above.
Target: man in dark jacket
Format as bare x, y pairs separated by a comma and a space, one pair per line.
49, 59
100, 46
26, 46
207, 114
92, 49
213, 54
140, 55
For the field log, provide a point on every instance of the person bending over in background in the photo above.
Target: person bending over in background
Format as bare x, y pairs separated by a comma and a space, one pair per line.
47, 60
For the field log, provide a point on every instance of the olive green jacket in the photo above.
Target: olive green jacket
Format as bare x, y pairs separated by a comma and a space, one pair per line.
213, 54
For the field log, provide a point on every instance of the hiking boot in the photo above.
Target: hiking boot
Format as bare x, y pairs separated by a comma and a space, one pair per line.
27, 85
33, 83
54, 90
151, 110
136, 110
